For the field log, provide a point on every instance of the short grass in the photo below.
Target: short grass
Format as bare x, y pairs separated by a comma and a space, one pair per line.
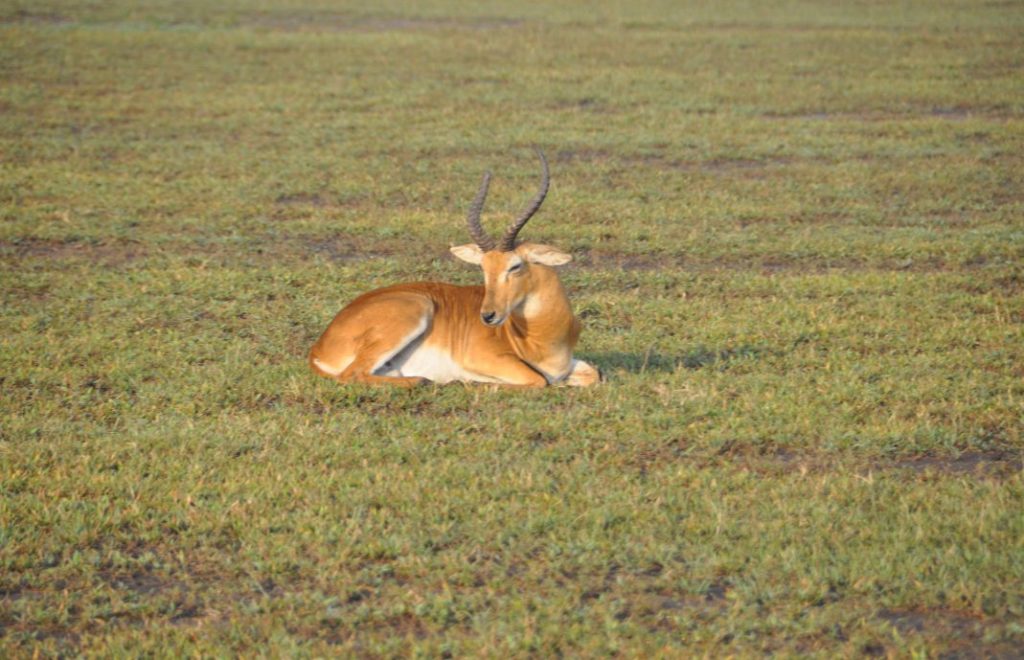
798, 238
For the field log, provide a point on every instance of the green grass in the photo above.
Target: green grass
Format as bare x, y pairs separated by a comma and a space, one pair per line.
798, 238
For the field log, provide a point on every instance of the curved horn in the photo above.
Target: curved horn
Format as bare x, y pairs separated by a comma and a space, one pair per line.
480, 236
508, 241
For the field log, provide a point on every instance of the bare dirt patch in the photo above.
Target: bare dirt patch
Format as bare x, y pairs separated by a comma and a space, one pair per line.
140, 582
107, 253
583, 155
655, 609
962, 633
995, 464
953, 113
1010, 284
979, 463
35, 18
302, 199
585, 104
342, 250
179, 605
640, 595
747, 166
766, 264
912, 621
345, 248
744, 167
609, 260
336, 22
778, 461
319, 200
113, 254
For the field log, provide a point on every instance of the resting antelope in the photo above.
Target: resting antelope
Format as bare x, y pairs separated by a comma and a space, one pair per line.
517, 329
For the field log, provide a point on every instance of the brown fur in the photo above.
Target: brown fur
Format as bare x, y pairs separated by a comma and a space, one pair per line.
530, 345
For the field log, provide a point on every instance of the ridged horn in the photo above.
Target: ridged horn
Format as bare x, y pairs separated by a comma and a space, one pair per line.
480, 237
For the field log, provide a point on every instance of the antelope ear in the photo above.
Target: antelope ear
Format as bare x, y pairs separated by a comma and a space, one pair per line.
545, 254
470, 253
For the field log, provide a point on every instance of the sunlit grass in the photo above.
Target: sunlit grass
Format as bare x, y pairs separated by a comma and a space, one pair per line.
797, 240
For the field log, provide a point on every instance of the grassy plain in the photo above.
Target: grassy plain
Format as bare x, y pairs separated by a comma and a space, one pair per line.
798, 238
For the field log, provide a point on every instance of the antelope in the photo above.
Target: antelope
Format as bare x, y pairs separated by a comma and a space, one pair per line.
516, 330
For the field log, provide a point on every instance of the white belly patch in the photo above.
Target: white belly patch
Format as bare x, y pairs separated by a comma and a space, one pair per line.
431, 363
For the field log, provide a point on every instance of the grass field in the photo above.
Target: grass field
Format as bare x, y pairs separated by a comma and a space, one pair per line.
798, 231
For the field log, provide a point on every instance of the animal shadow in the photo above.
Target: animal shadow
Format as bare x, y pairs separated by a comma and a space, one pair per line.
654, 361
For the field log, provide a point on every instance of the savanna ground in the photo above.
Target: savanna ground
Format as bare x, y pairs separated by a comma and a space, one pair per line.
798, 242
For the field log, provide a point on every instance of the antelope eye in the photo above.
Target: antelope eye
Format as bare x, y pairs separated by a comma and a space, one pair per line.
516, 268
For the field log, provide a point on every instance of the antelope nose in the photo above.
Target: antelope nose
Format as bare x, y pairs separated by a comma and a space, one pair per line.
488, 317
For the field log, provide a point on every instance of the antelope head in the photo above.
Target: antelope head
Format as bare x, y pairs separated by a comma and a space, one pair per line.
508, 276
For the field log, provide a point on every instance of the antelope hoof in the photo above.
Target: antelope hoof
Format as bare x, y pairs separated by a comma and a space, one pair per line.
582, 375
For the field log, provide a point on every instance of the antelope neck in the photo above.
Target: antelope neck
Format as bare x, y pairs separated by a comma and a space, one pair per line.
544, 318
